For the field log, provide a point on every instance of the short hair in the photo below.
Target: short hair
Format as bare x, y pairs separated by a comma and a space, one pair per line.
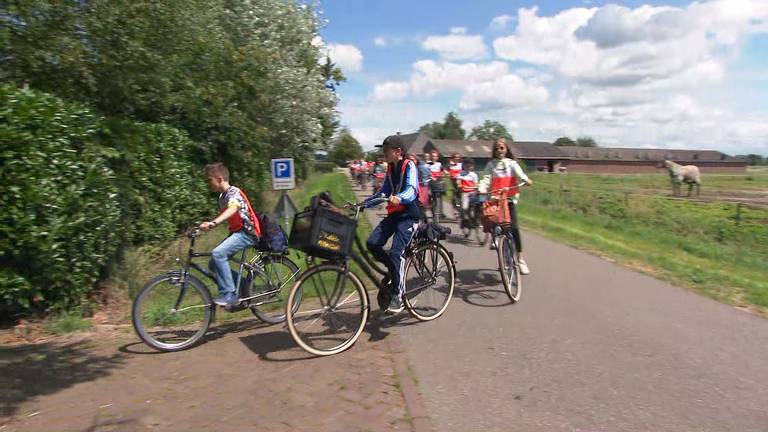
217, 169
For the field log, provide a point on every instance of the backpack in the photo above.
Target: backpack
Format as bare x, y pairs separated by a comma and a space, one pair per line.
273, 237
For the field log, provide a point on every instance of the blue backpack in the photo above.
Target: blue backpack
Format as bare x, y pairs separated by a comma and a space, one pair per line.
273, 237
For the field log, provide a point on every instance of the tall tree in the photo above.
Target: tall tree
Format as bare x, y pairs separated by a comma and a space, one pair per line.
586, 141
490, 130
564, 142
450, 128
345, 147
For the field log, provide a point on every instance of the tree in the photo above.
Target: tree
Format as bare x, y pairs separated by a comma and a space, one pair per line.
490, 130
450, 128
586, 141
755, 159
432, 130
564, 142
345, 148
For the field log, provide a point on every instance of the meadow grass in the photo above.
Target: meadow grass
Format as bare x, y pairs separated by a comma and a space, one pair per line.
715, 247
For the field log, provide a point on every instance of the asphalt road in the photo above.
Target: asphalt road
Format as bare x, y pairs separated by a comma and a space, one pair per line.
591, 346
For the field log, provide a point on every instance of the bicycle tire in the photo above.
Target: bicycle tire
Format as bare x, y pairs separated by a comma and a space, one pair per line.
418, 302
274, 313
140, 323
314, 305
509, 268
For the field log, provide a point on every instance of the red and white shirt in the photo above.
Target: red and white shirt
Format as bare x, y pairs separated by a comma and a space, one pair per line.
468, 182
503, 173
435, 169
454, 169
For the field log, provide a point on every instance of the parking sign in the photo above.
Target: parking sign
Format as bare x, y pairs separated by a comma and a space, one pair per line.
283, 174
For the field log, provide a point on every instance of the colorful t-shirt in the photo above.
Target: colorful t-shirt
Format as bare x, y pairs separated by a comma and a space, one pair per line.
503, 173
245, 218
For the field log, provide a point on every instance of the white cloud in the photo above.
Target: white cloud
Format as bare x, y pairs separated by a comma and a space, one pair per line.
457, 45
391, 91
509, 91
500, 23
346, 57
431, 77
380, 41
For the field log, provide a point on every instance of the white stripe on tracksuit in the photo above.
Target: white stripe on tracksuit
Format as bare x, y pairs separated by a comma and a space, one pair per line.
401, 282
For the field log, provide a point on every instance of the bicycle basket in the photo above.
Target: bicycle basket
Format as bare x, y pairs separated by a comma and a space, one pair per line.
495, 212
322, 233
437, 186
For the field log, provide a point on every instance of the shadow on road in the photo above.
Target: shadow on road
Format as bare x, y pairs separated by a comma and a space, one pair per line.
30, 371
215, 332
481, 287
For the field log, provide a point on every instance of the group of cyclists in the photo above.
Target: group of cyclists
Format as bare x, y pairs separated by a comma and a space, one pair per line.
363, 171
469, 189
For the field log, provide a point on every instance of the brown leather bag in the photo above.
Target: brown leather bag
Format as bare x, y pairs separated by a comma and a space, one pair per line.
495, 212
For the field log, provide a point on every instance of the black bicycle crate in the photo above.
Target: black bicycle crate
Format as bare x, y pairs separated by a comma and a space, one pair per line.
322, 233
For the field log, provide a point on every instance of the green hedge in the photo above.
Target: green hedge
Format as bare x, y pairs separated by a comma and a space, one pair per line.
161, 191
77, 188
61, 220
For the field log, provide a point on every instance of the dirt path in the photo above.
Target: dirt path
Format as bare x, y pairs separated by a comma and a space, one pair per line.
246, 376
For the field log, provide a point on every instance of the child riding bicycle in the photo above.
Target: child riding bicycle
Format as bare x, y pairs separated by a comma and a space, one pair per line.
504, 173
467, 184
401, 186
244, 231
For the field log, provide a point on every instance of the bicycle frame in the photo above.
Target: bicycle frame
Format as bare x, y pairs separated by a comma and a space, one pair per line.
251, 266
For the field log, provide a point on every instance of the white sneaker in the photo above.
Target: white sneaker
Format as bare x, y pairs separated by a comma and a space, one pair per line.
524, 267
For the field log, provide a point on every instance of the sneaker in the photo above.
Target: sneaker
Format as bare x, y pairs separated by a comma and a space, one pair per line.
227, 300
523, 267
395, 306
493, 244
383, 298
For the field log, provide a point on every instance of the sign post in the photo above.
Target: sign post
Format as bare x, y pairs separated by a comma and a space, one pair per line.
283, 178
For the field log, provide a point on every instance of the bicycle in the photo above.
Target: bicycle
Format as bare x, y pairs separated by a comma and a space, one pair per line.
173, 310
506, 252
436, 191
333, 305
469, 221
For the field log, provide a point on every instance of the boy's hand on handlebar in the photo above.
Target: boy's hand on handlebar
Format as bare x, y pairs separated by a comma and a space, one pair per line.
394, 199
207, 225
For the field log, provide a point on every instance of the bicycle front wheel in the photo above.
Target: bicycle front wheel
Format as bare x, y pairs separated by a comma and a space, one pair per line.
429, 282
509, 268
332, 310
280, 274
169, 315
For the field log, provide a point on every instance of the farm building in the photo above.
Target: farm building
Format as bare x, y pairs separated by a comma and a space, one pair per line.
543, 156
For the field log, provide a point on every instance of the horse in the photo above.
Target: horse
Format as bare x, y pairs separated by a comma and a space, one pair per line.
683, 174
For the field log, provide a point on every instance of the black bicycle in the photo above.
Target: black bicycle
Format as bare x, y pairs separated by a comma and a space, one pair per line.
332, 304
436, 191
506, 252
470, 221
174, 310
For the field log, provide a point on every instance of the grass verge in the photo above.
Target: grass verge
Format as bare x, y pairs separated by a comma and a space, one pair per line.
712, 247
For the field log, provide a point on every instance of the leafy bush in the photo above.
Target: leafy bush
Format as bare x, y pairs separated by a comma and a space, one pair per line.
61, 219
161, 191
323, 167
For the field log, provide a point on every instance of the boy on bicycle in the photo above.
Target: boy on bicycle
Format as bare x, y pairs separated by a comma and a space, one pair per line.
467, 184
401, 186
244, 231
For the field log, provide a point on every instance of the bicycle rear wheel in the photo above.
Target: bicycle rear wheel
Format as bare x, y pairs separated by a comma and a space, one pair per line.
332, 310
429, 281
280, 274
509, 268
170, 317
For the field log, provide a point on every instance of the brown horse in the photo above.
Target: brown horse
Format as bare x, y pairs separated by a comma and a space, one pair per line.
679, 174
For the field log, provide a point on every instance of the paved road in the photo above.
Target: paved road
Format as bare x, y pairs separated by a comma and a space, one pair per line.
590, 347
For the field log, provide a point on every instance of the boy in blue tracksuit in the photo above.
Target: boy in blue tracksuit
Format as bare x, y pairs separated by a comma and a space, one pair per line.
401, 186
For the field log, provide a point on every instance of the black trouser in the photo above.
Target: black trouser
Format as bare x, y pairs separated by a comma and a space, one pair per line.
515, 230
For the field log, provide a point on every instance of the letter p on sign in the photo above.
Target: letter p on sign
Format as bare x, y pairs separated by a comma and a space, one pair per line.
282, 174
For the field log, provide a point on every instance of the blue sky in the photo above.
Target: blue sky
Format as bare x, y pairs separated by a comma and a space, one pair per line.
630, 74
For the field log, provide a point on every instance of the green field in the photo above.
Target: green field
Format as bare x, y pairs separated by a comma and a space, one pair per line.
716, 244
